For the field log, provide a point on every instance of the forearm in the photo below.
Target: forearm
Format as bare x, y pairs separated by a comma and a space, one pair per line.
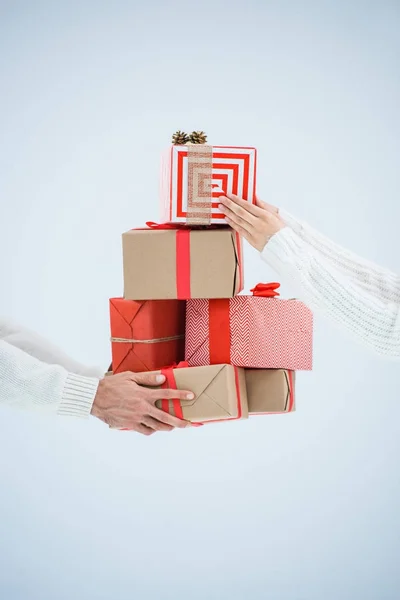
28, 383
379, 282
374, 322
39, 347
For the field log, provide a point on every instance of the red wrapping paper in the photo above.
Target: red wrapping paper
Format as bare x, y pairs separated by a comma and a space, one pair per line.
158, 326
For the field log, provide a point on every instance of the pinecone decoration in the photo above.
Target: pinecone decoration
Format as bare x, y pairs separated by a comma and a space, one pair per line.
180, 138
197, 137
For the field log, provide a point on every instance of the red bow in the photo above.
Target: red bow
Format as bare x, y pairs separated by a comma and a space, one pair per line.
183, 364
153, 225
266, 290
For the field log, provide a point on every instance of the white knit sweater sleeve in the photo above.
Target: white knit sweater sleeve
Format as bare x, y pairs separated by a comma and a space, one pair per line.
28, 383
36, 345
366, 313
382, 283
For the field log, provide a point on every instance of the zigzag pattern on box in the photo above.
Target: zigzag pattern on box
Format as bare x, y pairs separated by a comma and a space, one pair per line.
281, 339
197, 347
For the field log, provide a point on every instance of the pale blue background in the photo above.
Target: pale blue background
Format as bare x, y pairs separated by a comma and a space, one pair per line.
297, 507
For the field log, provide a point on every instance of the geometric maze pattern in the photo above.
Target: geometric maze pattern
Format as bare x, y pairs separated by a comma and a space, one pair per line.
233, 171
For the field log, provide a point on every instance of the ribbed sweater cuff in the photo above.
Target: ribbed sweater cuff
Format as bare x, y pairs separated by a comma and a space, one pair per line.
78, 396
290, 220
283, 248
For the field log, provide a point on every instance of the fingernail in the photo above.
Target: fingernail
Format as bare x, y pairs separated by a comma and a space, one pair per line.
221, 207
188, 424
160, 378
190, 396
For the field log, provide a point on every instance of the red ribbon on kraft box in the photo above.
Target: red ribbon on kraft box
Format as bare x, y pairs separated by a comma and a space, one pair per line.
183, 290
182, 256
219, 325
170, 383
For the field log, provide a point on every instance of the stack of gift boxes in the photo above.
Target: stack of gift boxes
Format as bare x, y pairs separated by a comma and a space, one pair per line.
182, 311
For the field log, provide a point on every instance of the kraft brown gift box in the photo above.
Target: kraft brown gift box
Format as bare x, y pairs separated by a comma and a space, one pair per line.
181, 263
270, 391
220, 393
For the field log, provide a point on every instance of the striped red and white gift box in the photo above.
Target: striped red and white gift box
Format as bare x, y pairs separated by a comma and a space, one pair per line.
249, 331
231, 170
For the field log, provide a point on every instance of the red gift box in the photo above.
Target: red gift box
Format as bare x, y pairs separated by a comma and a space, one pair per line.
249, 331
146, 335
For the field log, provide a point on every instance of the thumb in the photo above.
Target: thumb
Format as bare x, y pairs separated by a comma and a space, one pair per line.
152, 378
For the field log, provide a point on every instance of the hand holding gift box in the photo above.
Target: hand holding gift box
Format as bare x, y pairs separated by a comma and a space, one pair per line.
241, 351
221, 396
220, 393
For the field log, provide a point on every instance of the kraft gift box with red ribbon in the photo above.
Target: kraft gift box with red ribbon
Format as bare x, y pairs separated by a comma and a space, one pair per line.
258, 331
270, 391
267, 392
146, 335
220, 393
194, 176
175, 262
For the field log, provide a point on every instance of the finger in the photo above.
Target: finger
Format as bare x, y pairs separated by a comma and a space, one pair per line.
231, 217
152, 379
258, 209
119, 419
229, 207
231, 201
169, 394
143, 429
164, 417
156, 425
241, 231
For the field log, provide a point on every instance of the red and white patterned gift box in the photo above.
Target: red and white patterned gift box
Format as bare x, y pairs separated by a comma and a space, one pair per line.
249, 331
194, 176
